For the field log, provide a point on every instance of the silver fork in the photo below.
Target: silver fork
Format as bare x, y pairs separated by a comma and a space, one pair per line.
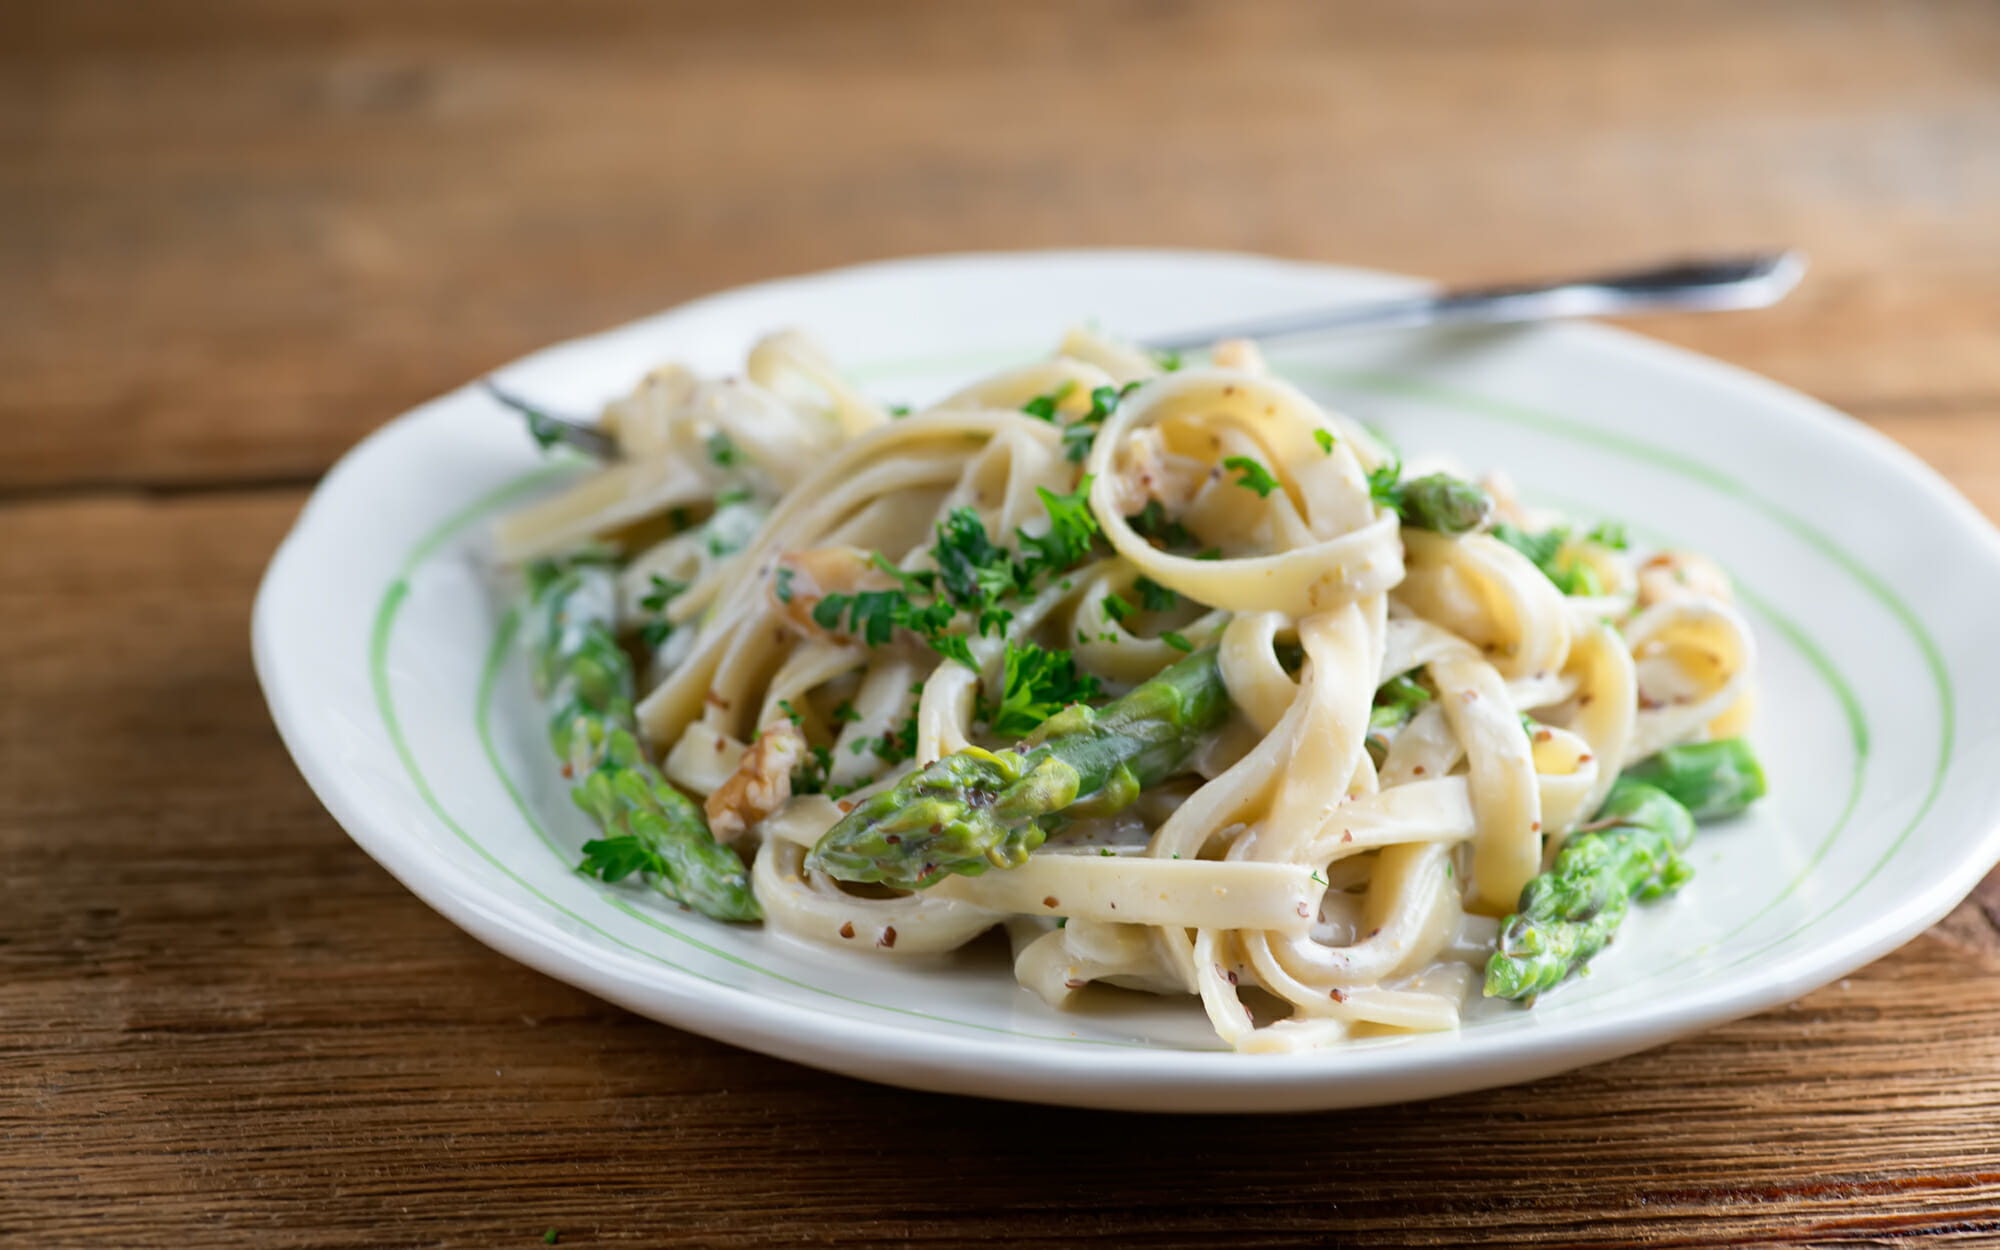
1701, 285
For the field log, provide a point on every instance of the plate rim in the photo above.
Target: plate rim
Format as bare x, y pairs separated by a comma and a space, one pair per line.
1064, 1073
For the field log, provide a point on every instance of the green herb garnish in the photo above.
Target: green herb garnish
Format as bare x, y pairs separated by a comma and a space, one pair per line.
655, 632
1546, 552
723, 450
1154, 525
1044, 406
1254, 475
1072, 529
1155, 597
1035, 686
1396, 701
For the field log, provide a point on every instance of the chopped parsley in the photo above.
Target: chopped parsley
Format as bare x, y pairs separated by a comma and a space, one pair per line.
894, 746
1168, 359
974, 575
1154, 525
1608, 534
1080, 433
1396, 701
723, 450
1540, 548
1324, 437
1254, 475
655, 631
1072, 529
975, 570
543, 428
954, 647
1044, 406
1385, 484
613, 859
913, 584
870, 615
663, 590
811, 774
783, 588
1178, 642
1117, 607
1155, 597
1546, 552
899, 410
1035, 686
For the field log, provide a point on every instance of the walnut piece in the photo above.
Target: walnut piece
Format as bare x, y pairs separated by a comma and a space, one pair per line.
761, 784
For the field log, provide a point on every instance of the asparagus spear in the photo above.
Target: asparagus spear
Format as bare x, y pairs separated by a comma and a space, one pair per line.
976, 807
1567, 914
650, 827
1441, 502
1710, 779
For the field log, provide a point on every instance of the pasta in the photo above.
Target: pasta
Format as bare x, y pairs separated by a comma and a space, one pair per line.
1392, 698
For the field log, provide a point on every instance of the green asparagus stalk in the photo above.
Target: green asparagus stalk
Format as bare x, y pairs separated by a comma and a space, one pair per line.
1631, 850
976, 808
1447, 504
650, 827
1710, 779
1567, 914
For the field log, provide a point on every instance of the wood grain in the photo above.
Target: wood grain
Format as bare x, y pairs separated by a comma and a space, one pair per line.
237, 235
244, 233
221, 1018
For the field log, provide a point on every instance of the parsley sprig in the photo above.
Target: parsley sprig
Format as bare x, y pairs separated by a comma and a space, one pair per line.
1080, 433
1155, 597
1035, 685
1396, 701
656, 629
974, 575
1547, 551
1154, 525
1254, 475
1044, 406
723, 451
898, 742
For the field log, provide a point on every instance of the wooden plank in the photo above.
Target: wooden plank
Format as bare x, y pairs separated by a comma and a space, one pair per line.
240, 234
219, 1020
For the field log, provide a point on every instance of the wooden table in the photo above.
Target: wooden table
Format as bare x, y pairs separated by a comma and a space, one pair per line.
234, 236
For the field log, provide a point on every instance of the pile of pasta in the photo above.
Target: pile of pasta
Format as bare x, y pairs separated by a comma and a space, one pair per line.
1310, 878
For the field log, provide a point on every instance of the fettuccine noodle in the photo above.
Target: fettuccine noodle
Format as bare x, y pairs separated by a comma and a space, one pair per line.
1417, 720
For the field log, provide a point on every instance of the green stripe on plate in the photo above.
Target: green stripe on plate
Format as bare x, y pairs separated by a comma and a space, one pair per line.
1364, 381
1401, 386
497, 655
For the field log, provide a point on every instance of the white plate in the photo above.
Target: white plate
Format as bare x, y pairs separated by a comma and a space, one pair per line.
1874, 589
